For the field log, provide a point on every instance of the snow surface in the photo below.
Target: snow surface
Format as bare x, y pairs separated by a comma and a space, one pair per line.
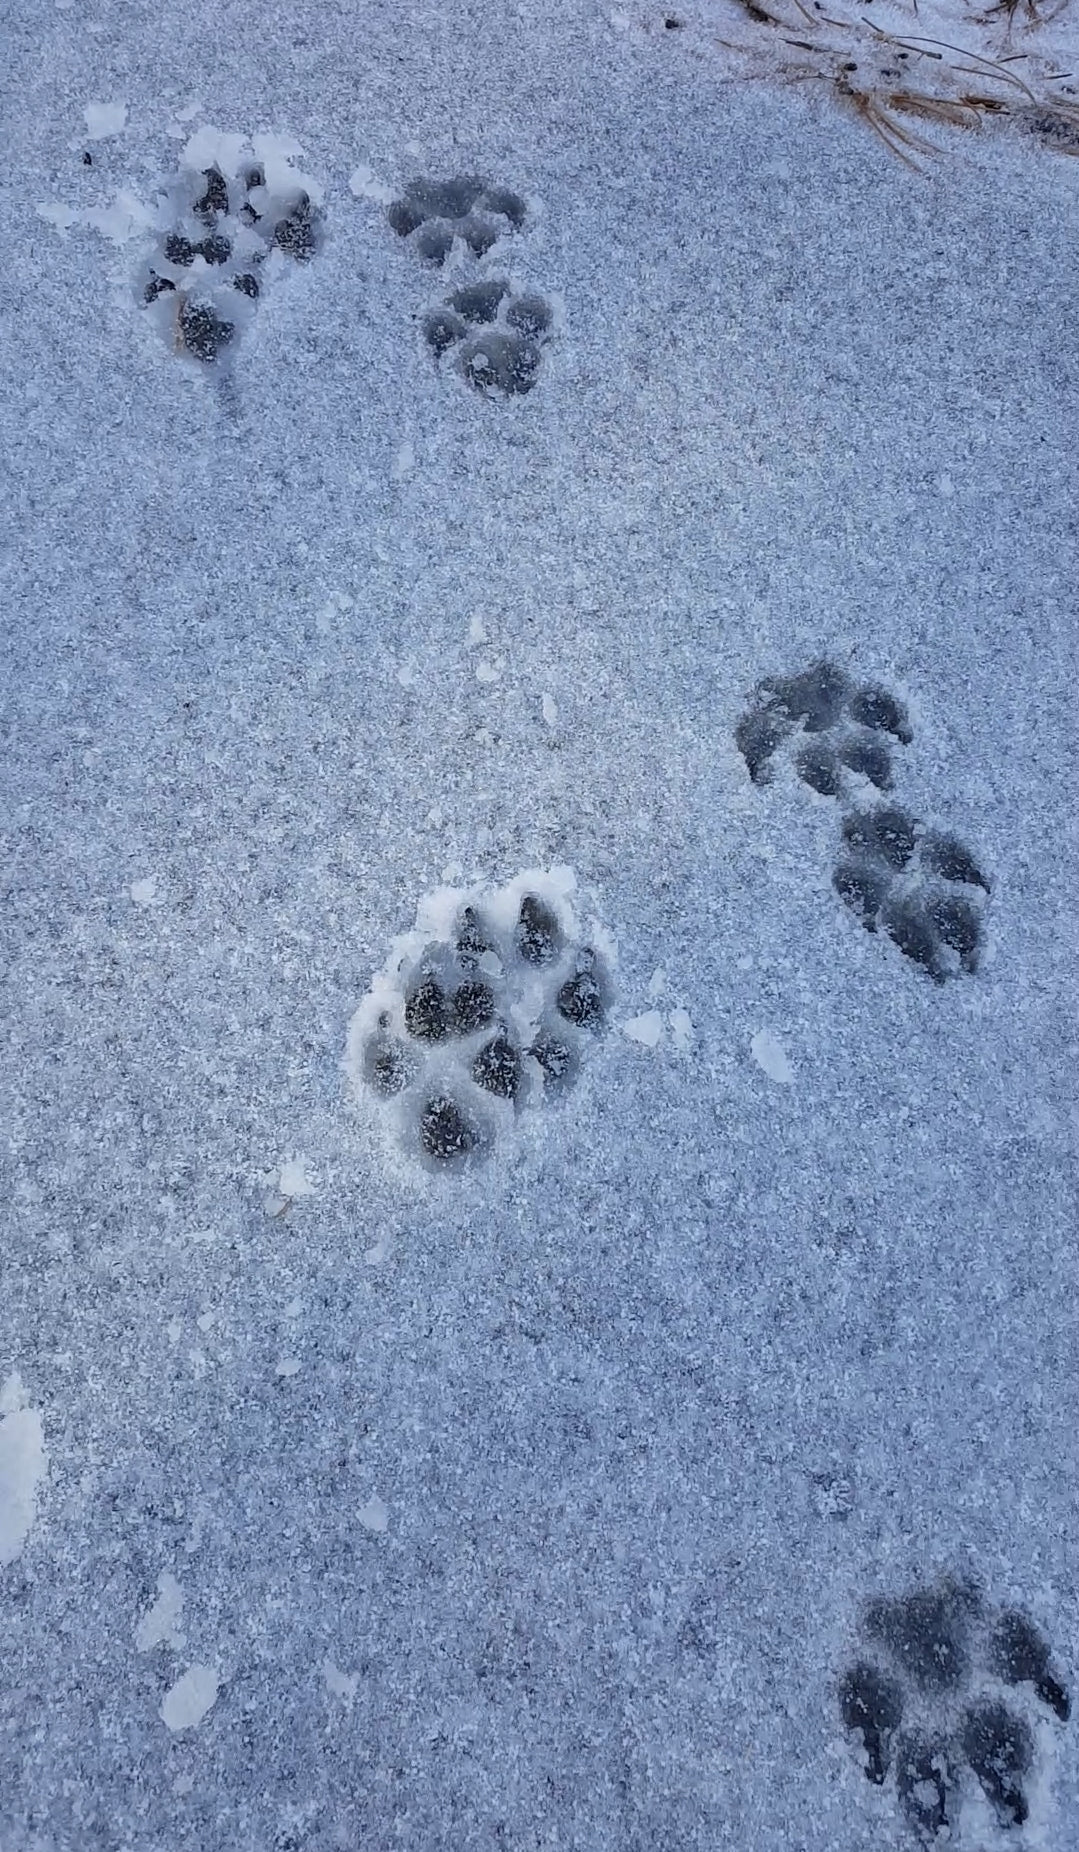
655, 1398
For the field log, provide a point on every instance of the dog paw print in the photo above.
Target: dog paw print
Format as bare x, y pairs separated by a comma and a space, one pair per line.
220, 223
922, 888
950, 1697
431, 214
486, 1010
833, 727
494, 335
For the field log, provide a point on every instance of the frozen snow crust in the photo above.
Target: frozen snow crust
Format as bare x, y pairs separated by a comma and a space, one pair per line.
547, 1500
485, 1009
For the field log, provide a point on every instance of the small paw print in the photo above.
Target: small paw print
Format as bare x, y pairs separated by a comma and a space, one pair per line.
947, 1695
835, 728
217, 227
431, 214
923, 888
486, 1010
494, 335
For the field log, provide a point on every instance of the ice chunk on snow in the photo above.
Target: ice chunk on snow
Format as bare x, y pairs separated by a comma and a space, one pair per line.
550, 710
374, 1515
193, 1696
63, 217
681, 1030
364, 183
646, 1029
22, 1467
160, 1625
404, 462
144, 892
104, 119
339, 1684
769, 1055
294, 1180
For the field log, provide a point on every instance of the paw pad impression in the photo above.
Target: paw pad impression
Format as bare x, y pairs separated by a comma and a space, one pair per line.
494, 333
485, 1010
431, 214
923, 888
834, 726
950, 1695
227, 209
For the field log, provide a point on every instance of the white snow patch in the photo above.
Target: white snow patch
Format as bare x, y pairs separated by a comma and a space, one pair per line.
104, 119
193, 1696
681, 1030
294, 1179
144, 892
126, 217
657, 983
550, 710
364, 183
340, 1684
770, 1057
288, 1366
160, 1625
476, 631
375, 1515
488, 671
63, 217
22, 1467
404, 462
646, 1029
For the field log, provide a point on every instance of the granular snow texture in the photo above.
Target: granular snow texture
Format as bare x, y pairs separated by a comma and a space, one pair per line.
535, 1504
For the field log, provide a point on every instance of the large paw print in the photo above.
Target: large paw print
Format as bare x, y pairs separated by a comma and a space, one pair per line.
494, 335
924, 889
485, 1010
835, 727
947, 1695
432, 213
217, 226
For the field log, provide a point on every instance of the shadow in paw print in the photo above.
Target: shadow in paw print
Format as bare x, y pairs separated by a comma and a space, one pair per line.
833, 724
496, 336
924, 890
921, 1701
872, 1704
432, 213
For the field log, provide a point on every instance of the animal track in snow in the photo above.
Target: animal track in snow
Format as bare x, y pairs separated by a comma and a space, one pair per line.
431, 214
488, 1008
224, 215
494, 334
835, 729
924, 889
953, 1696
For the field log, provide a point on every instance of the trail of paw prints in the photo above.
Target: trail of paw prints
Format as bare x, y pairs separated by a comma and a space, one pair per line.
488, 1009
921, 887
494, 335
953, 1698
225, 213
